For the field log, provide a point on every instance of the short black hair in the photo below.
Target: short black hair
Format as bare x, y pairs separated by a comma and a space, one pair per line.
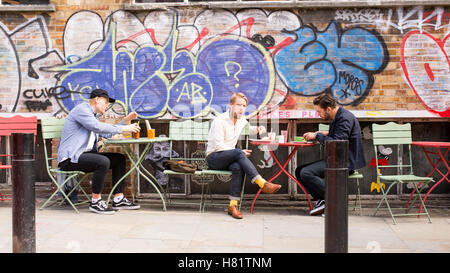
324, 101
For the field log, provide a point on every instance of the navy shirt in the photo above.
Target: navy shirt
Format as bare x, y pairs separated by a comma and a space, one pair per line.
345, 126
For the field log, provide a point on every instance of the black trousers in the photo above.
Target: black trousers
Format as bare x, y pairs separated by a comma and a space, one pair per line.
99, 164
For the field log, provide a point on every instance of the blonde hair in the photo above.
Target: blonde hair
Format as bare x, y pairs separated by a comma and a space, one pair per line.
238, 95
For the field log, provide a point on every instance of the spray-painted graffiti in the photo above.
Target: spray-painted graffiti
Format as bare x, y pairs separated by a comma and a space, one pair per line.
341, 62
400, 19
159, 78
23, 51
426, 66
174, 63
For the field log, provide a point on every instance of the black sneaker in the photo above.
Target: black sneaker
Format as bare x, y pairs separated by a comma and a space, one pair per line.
124, 204
100, 207
319, 209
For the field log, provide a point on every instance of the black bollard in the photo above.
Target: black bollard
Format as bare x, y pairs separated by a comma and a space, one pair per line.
336, 196
24, 228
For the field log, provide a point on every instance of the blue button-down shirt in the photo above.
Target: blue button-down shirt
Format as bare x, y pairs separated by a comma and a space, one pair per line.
78, 126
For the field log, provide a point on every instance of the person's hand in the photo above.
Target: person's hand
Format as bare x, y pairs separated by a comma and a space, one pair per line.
261, 130
130, 116
247, 152
133, 128
117, 136
309, 136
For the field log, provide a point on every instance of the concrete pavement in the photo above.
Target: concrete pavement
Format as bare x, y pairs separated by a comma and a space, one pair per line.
185, 230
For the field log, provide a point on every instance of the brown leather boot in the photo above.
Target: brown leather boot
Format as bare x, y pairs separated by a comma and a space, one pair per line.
270, 188
234, 212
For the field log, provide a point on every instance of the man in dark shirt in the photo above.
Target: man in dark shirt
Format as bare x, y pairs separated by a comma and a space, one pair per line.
344, 126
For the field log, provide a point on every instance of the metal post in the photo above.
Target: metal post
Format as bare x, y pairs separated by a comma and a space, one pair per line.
24, 228
336, 213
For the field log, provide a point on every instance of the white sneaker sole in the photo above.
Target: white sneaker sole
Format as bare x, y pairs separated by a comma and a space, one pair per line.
102, 212
318, 211
127, 207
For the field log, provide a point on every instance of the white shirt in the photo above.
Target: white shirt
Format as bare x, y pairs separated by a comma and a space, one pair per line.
224, 134
91, 142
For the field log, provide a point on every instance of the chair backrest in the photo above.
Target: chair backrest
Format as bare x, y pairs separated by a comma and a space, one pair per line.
392, 134
18, 124
324, 127
51, 129
188, 130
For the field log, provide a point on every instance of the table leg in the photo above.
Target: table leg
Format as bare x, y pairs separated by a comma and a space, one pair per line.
282, 169
441, 158
136, 162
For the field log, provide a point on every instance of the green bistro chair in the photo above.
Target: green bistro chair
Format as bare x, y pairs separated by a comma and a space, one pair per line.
189, 130
397, 134
185, 131
356, 176
52, 129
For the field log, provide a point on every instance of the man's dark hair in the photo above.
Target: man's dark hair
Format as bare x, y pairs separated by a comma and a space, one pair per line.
324, 101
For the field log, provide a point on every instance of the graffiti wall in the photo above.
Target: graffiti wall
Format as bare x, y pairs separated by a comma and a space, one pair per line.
186, 62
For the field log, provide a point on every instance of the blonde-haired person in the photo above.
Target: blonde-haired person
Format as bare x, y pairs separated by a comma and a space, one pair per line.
222, 154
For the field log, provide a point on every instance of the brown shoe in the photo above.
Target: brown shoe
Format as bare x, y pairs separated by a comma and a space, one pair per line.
270, 187
234, 212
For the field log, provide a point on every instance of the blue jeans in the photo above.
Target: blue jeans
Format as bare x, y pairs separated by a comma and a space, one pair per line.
312, 178
236, 162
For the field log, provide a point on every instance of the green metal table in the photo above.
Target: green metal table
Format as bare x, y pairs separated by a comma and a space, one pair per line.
136, 160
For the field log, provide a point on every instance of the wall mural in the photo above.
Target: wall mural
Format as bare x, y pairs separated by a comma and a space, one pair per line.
338, 61
427, 69
165, 62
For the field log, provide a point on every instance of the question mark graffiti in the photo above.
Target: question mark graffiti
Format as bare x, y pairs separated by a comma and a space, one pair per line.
235, 74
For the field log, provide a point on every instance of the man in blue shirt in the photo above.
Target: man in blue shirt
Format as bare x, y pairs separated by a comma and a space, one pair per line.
77, 149
344, 126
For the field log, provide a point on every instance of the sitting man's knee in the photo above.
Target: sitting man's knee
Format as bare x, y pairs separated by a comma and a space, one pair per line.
103, 163
235, 167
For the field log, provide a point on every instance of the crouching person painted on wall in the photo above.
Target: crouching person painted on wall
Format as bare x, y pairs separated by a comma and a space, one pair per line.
221, 153
160, 152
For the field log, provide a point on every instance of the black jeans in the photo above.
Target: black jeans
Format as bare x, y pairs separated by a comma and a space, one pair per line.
236, 162
99, 164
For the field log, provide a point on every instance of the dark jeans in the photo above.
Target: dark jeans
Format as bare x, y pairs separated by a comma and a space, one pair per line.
312, 177
236, 162
99, 164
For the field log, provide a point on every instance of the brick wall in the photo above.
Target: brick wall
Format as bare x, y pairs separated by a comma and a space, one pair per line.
374, 59
186, 61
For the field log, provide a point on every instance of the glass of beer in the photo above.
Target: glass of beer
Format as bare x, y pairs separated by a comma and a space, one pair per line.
151, 133
137, 134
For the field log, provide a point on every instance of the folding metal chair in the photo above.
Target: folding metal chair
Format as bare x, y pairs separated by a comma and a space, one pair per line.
52, 129
397, 134
195, 131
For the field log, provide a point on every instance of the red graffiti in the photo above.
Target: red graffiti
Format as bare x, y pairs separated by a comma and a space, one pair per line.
427, 74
